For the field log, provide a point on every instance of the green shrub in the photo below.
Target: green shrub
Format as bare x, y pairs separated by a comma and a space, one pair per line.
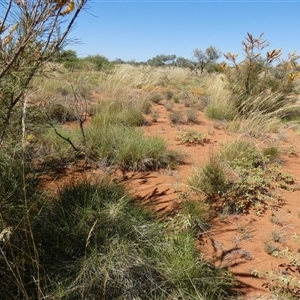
121, 113
241, 177
193, 137
220, 110
210, 180
256, 77
238, 149
272, 152
116, 250
128, 148
100, 62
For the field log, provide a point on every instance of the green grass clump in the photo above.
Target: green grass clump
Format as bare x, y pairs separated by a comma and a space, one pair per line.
240, 176
130, 149
122, 113
220, 110
210, 179
94, 242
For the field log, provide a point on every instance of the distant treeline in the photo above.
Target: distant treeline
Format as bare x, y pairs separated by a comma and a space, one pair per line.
202, 60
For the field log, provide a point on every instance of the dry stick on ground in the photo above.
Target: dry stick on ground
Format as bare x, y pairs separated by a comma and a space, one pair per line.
61, 136
80, 107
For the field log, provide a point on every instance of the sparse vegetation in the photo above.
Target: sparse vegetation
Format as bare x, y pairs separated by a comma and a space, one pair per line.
88, 238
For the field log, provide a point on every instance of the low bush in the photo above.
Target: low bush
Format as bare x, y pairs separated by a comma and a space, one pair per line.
130, 149
92, 241
240, 176
176, 117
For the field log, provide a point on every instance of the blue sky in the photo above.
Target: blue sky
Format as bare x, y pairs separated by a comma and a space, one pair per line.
140, 30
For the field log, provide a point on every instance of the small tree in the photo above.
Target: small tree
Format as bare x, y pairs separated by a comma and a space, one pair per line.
203, 58
162, 60
185, 63
31, 35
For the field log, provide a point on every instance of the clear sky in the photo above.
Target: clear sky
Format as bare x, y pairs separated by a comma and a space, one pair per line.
140, 29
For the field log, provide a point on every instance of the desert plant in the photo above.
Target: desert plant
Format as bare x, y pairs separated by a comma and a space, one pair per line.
99, 62
284, 280
255, 75
221, 109
114, 250
156, 98
204, 58
240, 176
272, 152
169, 105
29, 42
169, 95
129, 149
193, 137
210, 180
192, 115
176, 117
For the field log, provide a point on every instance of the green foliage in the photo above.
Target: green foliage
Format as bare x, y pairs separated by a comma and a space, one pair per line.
29, 42
100, 62
209, 180
161, 60
12, 188
185, 63
256, 75
59, 113
129, 149
192, 137
195, 216
272, 152
284, 280
220, 110
65, 56
93, 241
204, 58
240, 176
126, 113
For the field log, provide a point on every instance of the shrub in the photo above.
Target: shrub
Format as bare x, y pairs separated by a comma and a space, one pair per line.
100, 62
169, 95
176, 117
29, 48
256, 76
192, 115
113, 250
156, 98
59, 113
210, 180
240, 176
192, 137
220, 110
128, 148
124, 113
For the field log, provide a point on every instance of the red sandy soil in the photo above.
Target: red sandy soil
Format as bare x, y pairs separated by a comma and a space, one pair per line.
235, 242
